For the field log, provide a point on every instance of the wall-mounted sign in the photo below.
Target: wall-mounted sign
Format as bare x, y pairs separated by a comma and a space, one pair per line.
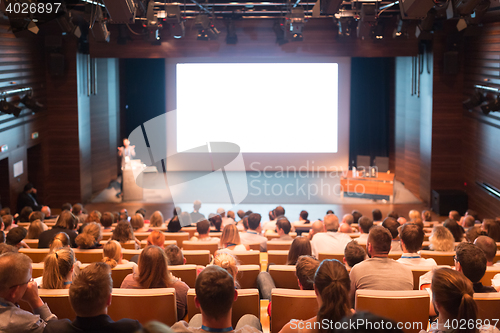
18, 169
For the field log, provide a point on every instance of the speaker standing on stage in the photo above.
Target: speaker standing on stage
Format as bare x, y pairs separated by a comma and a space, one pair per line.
127, 152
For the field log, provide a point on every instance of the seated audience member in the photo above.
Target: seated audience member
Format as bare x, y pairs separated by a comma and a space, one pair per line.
48, 213
230, 240
58, 268
283, 227
472, 213
453, 300
419, 223
37, 215
441, 239
15, 237
270, 226
195, 214
28, 198
454, 215
123, 215
156, 220
229, 263
113, 256
413, 215
225, 220
330, 241
231, 215
426, 216
412, 237
316, 228
456, 230
67, 223
90, 237
345, 228
5, 211
471, 261
492, 228
330, 212
15, 285
377, 215
77, 209
331, 283
364, 224
203, 229
468, 222
473, 233
215, 294
90, 297
24, 215
174, 225
8, 222
4, 248
123, 233
380, 272
348, 218
153, 273
355, 216
253, 234
301, 246
177, 210
60, 240
392, 225
137, 223
303, 218
141, 211
174, 255
35, 229
489, 247
394, 215
107, 220
66, 206
353, 254
94, 216
216, 222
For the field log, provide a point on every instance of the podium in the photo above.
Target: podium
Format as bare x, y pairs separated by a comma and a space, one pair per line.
130, 170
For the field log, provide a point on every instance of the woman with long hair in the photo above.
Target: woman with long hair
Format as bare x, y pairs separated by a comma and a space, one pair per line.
58, 269
35, 229
301, 246
229, 263
441, 239
230, 239
112, 255
90, 237
124, 233
59, 240
137, 223
456, 230
332, 286
156, 220
153, 273
174, 225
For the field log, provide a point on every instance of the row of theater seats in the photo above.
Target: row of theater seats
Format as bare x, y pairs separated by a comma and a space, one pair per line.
287, 304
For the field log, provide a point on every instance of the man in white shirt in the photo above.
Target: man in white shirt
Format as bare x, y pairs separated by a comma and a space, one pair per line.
330, 241
225, 220
253, 233
365, 224
412, 237
270, 227
316, 228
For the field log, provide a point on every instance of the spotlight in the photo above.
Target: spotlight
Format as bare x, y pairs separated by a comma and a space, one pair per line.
401, 28
295, 23
152, 25
206, 29
415, 9
100, 28
31, 103
231, 37
9, 108
491, 105
345, 27
475, 100
174, 19
379, 30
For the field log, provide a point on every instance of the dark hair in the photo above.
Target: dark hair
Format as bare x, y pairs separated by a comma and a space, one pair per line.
28, 187
107, 219
394, 215
426, 215
299, 247
216, 221
5, 211
455, 215
141, 211
365, 224
473, 213
412, 235
305, 269
284, 224
492, 228
469, 221
123, 232
455, 229
473, 233
333, 284
202, 226
174, 225
304, 215
488, 245
66, 206
279, 211
174, 255
356, 215
254, 221
354, 253
67, 220
77, 209
24, 216
473, 261
377, 214
330, 212
7, 220
380, 238
392, 225
215, 291
36, 215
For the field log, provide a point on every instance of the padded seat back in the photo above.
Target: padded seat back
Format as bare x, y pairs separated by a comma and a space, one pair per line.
180, 237
247, 276
338, 256
441, 257
278, 245
488, 305
247, 257
417, 272
58, 302
187, 273
197, 257
284, 276
88, 256
32, 243
491, 271
128, 253
278, 257
288, 304
197, 245
36, 255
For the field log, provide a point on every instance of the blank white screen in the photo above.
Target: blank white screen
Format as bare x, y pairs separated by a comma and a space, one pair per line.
262, 107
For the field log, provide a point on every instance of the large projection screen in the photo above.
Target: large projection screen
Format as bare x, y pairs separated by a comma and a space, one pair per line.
282, 114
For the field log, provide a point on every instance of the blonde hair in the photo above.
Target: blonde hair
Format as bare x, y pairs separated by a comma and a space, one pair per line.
230, 235
441, 239
59, 240
90, 236
35, 229
137, 221
156, 219
229, 263
112, 253
414, 214
156, 238
56, 267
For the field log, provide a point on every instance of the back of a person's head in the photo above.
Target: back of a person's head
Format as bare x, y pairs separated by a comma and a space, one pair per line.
94, 216
107, 219
137, 221
331, 222
488, 246
229, 263
304, 215
473, 233
174, 255
123, 232
472, 260
93, 229
216, 221
380, 238
156, 219
354, 253
305, 268
230, 235
24, 215
141, 211
394, 215
414, 214
66, 206
61, 239
215, 291
455, 229
355, 216
492, 228
66, 220
85, 241
426, 215
365, 322
14, 268
441, 239
301, 246
174, 225
454, 215
317, 226
377, 214
15, 236
156, 237
153, 268
230, 214
240, 213
453, 292
37, 215
56, 267
348, 218
202, 227
333, 284
197, 205
112, 252
412, 236
392, 225
330, 212
5, 211
365, 224
4, 248
254, 221
279, 211
77, 209
90, 290
469, 221
472, 213
283, 223
7, 220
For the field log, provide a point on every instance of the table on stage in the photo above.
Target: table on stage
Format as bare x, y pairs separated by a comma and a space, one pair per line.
380, 187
